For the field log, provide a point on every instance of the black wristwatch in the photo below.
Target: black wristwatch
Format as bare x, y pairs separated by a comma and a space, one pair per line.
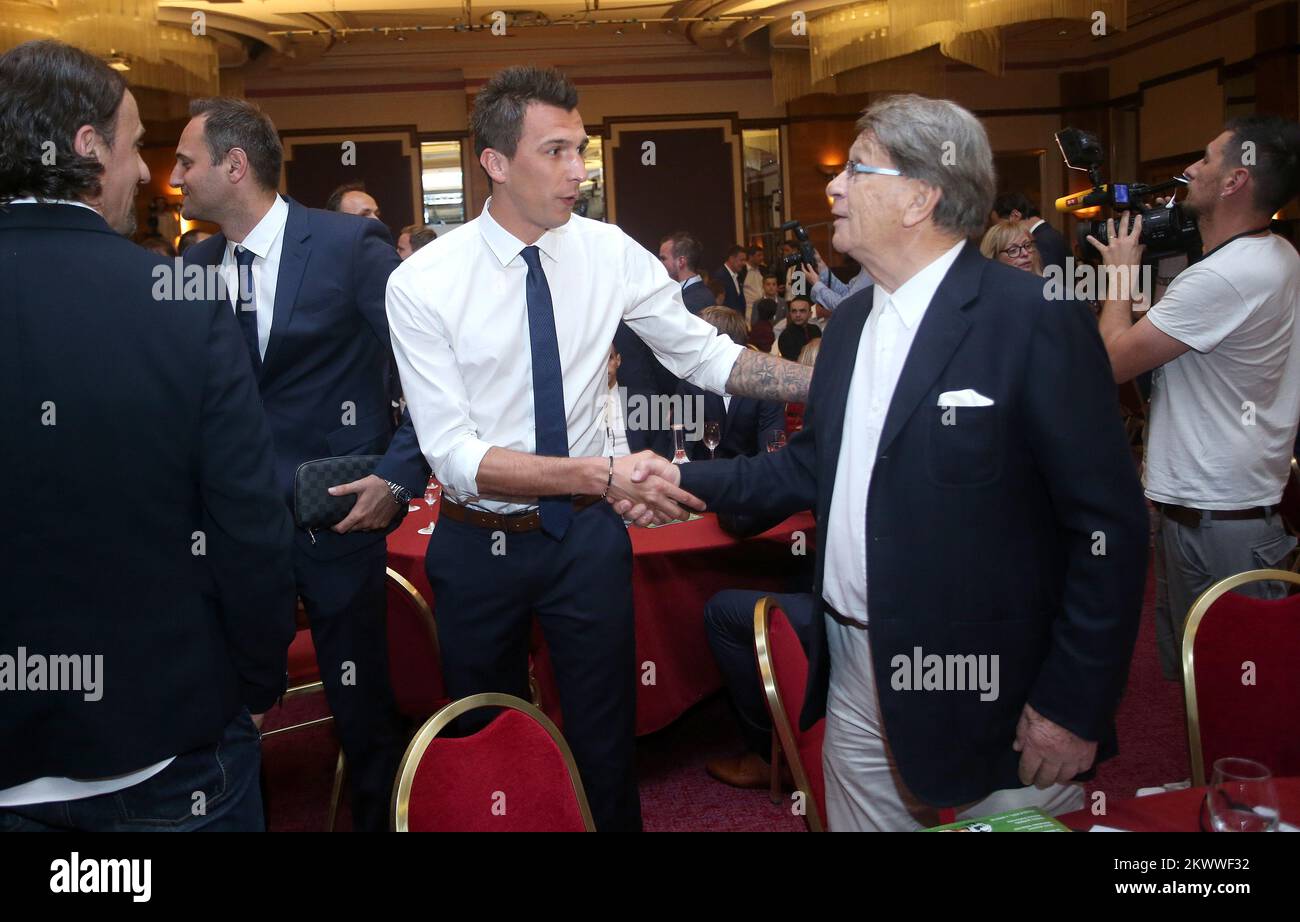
401, 495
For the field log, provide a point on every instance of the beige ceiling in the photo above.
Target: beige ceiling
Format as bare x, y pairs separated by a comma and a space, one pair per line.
600, 30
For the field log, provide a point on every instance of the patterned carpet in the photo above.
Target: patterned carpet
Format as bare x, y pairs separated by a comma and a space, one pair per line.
677, 795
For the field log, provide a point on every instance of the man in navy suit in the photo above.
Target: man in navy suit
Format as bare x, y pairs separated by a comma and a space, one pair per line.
1052, 246
732, 276
981, 535
147, 546
317, 336
681, 253
745, 425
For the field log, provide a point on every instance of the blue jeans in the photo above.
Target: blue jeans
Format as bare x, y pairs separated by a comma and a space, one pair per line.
226, 774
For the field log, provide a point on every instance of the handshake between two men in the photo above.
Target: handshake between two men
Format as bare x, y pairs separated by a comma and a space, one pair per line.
645, 491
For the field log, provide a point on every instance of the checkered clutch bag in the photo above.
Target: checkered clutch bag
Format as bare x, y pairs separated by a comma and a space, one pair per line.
313, 507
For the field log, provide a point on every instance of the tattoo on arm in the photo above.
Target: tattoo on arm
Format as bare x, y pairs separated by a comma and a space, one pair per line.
766, 377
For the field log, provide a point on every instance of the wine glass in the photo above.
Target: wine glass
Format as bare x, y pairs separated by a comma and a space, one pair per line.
776, 442
432, 493
712, 436
1242, 797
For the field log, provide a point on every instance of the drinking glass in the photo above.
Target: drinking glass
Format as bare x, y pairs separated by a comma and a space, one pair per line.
1242, 797
776, 442
712, 436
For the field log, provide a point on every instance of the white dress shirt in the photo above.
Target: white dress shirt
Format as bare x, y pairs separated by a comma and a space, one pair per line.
458, 316
266, 240
882, 351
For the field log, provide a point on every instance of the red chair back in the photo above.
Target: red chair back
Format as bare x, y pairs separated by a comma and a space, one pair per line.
414, 659
515, 775
783, 666
1240, 678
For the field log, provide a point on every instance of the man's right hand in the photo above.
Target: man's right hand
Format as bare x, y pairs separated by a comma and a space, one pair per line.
645, 490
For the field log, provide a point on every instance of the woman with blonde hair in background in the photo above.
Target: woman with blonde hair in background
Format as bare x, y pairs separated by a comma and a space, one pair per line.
794, 411
1009, 242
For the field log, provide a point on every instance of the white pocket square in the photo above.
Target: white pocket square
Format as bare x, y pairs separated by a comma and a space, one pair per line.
966, 398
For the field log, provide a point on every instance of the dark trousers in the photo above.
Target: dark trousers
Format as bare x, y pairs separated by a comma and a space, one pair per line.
346, 602
580, 590
225, 774
729, 624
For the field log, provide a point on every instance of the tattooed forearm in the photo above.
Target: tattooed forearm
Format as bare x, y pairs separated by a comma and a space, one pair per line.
766, 377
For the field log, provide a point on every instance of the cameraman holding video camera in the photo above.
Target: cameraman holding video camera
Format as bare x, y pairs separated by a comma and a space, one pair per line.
1225, 345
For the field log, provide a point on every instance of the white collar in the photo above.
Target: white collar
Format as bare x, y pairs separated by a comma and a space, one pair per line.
506, 246
261, 238
913, 296
30, 200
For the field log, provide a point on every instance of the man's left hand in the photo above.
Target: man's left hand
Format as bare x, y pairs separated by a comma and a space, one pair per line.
1049, 753
1122, 247
375, 506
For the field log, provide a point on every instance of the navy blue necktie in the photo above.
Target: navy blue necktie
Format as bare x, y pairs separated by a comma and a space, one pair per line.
246, 307
548, 389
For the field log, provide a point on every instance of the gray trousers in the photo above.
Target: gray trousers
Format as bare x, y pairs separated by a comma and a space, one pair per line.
865, 791
1190, 560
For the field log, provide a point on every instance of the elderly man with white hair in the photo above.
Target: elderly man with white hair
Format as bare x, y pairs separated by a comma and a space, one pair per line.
981, 534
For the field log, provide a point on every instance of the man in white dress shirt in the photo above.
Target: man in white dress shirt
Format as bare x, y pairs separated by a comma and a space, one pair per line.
507, 407
981, 534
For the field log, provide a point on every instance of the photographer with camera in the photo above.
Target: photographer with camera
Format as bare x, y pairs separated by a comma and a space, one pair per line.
1225, 343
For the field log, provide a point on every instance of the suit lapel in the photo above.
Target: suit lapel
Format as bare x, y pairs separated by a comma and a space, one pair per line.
294, 254
942, 329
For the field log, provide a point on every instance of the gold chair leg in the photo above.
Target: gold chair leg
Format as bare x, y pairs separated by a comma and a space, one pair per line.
775, 792
340, 772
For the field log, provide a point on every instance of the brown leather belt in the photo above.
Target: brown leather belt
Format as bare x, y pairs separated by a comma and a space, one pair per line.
1191, 518
511, 524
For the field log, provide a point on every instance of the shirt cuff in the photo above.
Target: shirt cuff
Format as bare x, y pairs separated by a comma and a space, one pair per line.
713, 375
458, 471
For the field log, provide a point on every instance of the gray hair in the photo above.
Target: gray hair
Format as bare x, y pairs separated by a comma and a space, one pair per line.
942, 145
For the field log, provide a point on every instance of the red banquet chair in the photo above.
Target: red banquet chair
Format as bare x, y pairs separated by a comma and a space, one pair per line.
1225, 635
415, 667
414, 657
783, 667
514, 775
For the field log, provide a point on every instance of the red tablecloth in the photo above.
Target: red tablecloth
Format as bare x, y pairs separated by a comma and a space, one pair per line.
1177, 811
675, 569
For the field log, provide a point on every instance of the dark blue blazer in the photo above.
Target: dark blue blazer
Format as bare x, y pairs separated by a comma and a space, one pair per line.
697, 297
983, 536
1052, 246
643, 376
746, 426
141, 516
735, 296
323, 378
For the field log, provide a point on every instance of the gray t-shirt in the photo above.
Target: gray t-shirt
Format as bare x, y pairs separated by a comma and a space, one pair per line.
1224, 414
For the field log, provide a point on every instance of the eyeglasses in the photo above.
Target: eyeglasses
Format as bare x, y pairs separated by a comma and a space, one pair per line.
854, 167
1018, 249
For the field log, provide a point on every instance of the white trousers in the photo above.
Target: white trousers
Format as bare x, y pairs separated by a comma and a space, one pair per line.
864, 791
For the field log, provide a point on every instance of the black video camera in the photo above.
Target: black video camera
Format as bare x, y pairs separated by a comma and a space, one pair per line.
806, 255
1167, 230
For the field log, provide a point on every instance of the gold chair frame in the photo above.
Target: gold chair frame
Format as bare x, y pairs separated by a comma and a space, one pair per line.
439, 722
425, 614
1197, 612
780, 720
